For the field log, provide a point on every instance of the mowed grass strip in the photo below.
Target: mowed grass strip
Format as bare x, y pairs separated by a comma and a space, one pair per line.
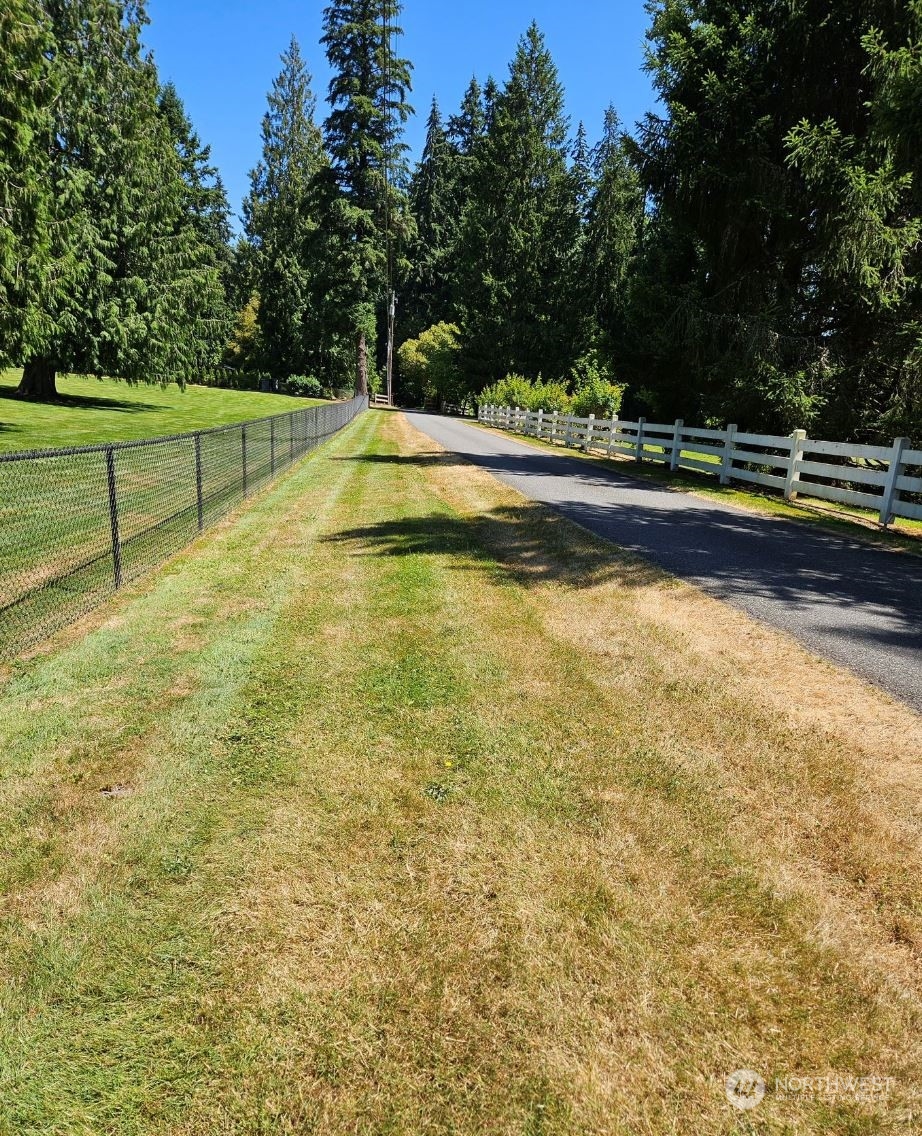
91, 411
428, 812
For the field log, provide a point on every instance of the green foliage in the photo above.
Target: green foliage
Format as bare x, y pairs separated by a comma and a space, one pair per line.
109, 271
280, 214
430, 365
517, 256
304, 386
527, 394
594, 391
364, 212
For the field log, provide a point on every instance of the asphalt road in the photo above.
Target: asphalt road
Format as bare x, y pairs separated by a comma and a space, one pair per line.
856, 605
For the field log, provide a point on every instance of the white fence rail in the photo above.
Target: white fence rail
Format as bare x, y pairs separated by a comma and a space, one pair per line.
886, 479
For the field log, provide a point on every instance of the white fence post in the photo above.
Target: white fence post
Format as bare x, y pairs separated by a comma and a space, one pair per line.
640, 431
587, 440
797, 448
540, 427
676, 445
553, 427
613, 426
893, 474
568, 437
726, 466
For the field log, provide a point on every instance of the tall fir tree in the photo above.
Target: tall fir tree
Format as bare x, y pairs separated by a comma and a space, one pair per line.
28, 89
614, 220
365, 210
521, 230
123, 265
206, 217
281, 219
436, 201
467, 127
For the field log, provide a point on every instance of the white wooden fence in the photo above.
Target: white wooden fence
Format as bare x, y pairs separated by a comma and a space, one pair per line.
886, 479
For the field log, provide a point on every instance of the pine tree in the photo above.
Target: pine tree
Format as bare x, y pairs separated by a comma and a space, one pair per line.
436, 201
281, 218
123, 275
364, 205
521, 230
468, 126
613, 224
582, 170
206, 217
27, 92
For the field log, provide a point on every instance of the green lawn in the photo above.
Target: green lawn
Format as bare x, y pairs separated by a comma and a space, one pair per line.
103, 410
397, 804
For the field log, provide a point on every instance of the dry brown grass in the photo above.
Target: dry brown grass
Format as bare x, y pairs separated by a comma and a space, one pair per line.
509, 833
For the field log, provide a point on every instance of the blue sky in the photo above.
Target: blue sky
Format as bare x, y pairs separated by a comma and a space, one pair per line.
223, 54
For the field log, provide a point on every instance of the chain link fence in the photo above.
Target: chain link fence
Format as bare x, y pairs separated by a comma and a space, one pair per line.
76, 524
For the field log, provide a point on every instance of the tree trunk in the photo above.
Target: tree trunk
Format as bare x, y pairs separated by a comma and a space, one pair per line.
361, 382
38, 381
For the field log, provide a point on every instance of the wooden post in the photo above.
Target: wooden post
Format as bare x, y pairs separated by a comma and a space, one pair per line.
893, 475
540, 426
676, 445
568, 437
797, 448
587, 440
554, 427
611, 434
726, 466
640, 428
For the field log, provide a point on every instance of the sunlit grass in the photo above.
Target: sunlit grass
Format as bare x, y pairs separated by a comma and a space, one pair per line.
104, 410
435, 814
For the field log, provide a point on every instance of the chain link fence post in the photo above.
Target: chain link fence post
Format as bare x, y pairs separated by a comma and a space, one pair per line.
113, 517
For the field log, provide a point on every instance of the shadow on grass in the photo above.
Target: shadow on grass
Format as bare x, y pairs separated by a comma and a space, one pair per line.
84, 402
528, 542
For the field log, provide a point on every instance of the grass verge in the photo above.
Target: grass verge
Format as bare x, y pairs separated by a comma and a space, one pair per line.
399, 804
104, 410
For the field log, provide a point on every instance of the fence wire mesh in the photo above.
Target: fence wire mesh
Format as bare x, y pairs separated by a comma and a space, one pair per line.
77, 524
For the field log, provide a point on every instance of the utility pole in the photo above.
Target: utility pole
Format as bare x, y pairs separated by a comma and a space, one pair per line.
391, 320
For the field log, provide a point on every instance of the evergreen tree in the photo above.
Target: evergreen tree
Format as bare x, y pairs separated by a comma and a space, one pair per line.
757, 325
614, 221
27, 93
467, 127
281, 219
582, 170
521, 230
364, 203
205, 216
123, 266
436, 201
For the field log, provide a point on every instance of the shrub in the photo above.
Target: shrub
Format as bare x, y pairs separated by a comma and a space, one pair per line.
514, 390
595, 392
305, 386
599, 397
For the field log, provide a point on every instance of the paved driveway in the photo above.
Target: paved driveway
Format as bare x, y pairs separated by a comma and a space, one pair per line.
858, 606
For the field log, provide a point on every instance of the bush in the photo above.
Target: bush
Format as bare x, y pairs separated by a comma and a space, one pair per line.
305, 386
599, 397
514, 390
595, 393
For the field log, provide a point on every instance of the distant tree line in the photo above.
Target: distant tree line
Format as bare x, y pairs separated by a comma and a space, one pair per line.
750, 252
